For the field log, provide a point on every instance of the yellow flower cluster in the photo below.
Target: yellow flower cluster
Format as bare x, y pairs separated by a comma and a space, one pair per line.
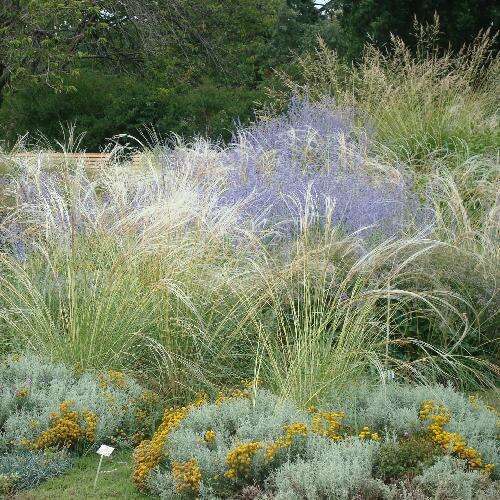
200, 399
67, 428
366, 433
291, 431
327, 423
22, 393
150, 452
90, 425
187, 476
297, 429
116, 378
236, 393
251, 383
438, 416
239, 460
209, 436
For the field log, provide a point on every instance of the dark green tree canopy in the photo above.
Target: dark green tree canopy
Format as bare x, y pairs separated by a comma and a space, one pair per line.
188, 66
374, 20
48, 39
183, 54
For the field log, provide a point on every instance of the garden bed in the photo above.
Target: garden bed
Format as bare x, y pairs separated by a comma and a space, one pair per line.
369, 442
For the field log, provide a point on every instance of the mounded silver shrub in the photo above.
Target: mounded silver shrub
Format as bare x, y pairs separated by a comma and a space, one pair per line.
314, 466
394, 409
449, 479
33, 390
24, 469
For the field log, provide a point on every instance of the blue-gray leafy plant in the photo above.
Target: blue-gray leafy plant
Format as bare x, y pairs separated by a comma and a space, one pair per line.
314, 466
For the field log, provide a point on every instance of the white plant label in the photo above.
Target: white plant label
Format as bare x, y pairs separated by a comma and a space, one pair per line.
105, 450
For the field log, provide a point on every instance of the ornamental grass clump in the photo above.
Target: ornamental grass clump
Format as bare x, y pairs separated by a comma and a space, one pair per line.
293, 249
420, 103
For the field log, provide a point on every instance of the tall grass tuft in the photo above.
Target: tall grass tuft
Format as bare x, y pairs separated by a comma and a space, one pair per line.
331, 315
86, 307
417, 104
295, 255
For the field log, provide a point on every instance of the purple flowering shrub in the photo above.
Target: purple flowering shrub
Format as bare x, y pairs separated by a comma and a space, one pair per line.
308, 156
302, 165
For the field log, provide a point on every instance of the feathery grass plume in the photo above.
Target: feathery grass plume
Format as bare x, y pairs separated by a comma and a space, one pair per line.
87, 307
165, 263
331, 314
418, 105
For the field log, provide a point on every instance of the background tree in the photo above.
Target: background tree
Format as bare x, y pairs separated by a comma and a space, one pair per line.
362, 20
184, 66
196, 66
46, 40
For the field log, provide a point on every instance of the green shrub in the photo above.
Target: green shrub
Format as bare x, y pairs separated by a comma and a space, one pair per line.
341, 470
395, 459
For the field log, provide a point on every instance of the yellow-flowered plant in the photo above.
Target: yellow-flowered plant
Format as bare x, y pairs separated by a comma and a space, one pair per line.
150, 452
367, 433
67, 428
91, 420
290, 432
22, 393
209, 436
327, 423
112, 378
187, 476
235, 393
453, 442
239, 460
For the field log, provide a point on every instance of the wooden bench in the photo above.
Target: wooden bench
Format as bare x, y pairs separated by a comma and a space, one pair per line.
89, 160
92, 160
